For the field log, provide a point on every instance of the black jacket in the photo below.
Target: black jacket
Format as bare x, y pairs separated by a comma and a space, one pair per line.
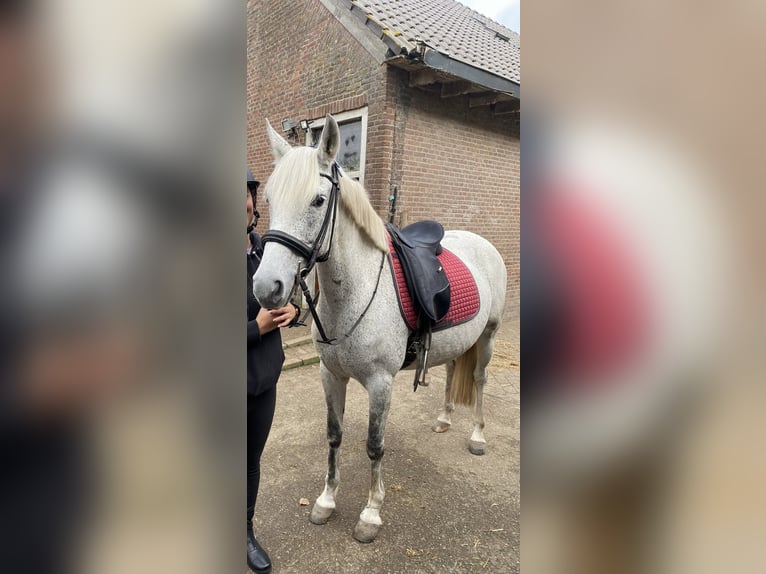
264, 353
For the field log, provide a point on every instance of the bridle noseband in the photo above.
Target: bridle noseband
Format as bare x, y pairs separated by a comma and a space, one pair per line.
311, 253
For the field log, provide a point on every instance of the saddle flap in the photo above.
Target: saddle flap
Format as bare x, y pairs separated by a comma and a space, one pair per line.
426, 280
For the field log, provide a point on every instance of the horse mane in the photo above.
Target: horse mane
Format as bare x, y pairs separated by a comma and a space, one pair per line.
354, 198
295, 180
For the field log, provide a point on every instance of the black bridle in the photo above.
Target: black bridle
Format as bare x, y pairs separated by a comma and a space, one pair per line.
312, 256
311, 252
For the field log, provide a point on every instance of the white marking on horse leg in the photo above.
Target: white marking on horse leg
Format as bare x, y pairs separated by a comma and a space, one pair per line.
478, 443
335, 396
444, 420
369, 522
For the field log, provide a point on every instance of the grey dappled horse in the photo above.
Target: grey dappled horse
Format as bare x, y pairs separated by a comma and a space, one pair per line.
300, 196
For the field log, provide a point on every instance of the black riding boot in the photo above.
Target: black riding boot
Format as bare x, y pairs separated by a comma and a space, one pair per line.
257, 559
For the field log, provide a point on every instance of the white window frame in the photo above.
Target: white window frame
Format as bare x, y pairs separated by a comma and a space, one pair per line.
342, 118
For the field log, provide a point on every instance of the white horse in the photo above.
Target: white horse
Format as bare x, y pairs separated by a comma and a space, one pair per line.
355, 281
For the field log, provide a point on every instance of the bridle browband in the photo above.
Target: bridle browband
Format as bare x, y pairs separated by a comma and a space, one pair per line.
312, 256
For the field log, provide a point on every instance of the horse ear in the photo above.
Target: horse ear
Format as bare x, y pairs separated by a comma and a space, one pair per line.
329, 142
279, 145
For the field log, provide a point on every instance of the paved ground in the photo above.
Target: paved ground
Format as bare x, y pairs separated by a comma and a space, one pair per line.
445, 509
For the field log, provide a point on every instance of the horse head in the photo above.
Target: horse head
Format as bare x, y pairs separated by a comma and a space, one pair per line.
301, 202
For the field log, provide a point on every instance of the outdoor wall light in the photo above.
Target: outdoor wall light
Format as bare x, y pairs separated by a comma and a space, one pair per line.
305, 125
288, 125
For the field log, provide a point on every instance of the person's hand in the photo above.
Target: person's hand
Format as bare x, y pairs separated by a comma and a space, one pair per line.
266, 321
284, 315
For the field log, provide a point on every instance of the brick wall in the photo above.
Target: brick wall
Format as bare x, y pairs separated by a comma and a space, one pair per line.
452, 164
303, 64
459, 166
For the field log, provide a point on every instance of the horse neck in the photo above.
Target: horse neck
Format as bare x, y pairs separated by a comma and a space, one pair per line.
352, 267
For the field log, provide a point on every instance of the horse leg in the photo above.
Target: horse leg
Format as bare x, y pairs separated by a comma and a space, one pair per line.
335, 395
486, 344
369, 523
444, 420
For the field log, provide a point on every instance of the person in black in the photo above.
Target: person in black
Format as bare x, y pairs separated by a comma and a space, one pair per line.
264, 363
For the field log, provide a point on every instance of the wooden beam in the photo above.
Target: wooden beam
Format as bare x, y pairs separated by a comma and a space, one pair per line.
482, 99
423, 78
452, 89
433, 89
507, 107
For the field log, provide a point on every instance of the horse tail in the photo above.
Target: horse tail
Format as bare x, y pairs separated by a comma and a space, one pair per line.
463, 388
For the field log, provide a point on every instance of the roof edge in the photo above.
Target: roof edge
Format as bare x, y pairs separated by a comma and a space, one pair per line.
381, 42
357, 27
436, 60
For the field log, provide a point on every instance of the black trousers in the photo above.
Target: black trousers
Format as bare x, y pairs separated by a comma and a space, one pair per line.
260, 414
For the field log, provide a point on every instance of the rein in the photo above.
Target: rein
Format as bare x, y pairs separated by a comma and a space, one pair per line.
311, 254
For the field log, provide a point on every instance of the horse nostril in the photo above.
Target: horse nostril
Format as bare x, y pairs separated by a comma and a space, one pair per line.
277, 288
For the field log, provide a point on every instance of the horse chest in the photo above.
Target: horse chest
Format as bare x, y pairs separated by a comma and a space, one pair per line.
349, 359
364, 354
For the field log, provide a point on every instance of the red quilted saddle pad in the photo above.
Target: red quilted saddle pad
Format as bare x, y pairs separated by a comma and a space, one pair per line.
464, 295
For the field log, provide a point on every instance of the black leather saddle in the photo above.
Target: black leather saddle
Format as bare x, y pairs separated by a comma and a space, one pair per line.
417, 246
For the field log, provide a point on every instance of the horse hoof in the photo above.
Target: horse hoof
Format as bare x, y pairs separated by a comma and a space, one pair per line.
365, 532
476, 447
320, 514
440, 427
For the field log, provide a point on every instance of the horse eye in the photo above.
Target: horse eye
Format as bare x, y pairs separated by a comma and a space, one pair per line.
318, 201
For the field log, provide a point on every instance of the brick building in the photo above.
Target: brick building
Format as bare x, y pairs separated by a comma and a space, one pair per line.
427, 96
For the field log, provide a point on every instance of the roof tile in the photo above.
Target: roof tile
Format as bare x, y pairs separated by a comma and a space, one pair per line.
450, 27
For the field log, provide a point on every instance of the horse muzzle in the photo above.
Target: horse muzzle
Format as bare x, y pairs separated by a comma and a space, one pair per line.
272, 292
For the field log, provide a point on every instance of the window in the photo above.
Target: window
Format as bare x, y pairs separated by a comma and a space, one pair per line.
353, 140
